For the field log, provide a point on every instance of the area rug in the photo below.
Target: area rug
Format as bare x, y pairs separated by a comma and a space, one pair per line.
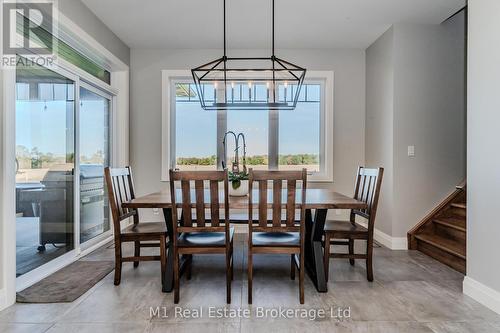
67, 284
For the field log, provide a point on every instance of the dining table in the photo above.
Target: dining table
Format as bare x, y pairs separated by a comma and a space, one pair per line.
318, 202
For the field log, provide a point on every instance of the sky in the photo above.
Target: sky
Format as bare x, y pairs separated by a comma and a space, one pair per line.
43, 125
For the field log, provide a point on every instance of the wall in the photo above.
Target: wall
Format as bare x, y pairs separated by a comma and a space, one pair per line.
483, 160
379, 120
349, 106
2, 296
428, 103
85, 18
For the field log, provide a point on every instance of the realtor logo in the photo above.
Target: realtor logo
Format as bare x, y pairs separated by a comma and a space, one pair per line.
28, 31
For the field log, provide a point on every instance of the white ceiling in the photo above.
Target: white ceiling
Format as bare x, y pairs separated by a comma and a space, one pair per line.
299, 23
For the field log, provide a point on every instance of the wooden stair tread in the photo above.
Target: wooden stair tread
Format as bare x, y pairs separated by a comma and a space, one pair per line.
451, 246
454, 222
459, 205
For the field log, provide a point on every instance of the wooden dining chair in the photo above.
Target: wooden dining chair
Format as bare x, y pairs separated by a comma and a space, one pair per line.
367, 190
120, 187
201, 235
277, 235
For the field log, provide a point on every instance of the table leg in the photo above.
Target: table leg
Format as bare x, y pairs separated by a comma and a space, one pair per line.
313, 248
168, 280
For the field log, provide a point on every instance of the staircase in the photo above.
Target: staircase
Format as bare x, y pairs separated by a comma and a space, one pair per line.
442, 233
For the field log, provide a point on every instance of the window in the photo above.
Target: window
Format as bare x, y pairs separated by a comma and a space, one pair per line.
299, 132
195, 132
284, 140
254, 125
62, 133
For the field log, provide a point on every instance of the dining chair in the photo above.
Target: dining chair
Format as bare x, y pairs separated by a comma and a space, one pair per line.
367, 190
120, 187
275, 235
201, 235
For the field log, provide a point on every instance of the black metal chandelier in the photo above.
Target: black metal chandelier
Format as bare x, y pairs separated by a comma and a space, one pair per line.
246, 83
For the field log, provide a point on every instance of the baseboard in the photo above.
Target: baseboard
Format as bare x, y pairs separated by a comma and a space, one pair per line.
393, 243
482, 293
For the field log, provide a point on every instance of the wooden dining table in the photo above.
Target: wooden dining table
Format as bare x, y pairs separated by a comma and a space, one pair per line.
319, 200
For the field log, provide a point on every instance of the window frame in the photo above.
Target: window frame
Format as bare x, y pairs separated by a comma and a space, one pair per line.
325, 78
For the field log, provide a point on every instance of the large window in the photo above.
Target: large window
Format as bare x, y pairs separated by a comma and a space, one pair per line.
195, 132
284, 140
300, 132
62, 146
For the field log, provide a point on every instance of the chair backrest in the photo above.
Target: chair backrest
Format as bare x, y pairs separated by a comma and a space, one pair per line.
277, 204
120, 187
367, 189
198, 201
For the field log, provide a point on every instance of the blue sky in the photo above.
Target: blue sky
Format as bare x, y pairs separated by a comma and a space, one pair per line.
46, 128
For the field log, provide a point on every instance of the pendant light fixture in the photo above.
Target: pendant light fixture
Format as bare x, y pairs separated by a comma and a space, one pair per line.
247, 83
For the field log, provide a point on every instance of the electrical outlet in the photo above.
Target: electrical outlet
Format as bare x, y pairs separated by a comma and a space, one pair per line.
411, 151
156, 211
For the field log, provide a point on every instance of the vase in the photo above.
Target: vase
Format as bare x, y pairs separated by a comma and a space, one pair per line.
240, 191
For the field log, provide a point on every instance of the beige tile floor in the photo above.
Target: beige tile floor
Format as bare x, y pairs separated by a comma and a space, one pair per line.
411, 293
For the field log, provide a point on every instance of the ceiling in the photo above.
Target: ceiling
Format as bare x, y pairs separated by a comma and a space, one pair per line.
316, 24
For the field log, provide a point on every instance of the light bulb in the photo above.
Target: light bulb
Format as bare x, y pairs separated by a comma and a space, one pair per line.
232, 85
249, 84
286, 84
215, 85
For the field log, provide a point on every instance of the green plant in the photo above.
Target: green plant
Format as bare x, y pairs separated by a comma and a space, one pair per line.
236, 177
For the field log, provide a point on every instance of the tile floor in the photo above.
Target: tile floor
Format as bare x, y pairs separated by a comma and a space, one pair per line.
411, 293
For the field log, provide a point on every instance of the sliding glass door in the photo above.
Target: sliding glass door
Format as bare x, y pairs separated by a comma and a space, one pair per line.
63, 134
94, 146
45, 162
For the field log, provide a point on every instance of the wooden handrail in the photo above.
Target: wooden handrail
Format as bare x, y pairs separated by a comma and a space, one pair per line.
462, 185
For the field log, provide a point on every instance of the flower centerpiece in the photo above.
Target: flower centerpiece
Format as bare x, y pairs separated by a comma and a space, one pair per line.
237, 177
239, 183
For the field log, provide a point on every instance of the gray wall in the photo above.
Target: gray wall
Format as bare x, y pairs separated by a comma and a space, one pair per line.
76, 11
428, 69
429, 104
380, 119
349, 107
2, 228
483, 141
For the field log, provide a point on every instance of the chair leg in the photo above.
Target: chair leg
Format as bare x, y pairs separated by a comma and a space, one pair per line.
326, 256
292, 267
232, 262
351, 250
189, 266
250, 275
301, 278
176, 277
118, 262
137, 252
163, 257
369, 260
228, 276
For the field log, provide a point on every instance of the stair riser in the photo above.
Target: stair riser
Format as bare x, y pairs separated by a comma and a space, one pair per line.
448, 232
446, 258
457, 211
